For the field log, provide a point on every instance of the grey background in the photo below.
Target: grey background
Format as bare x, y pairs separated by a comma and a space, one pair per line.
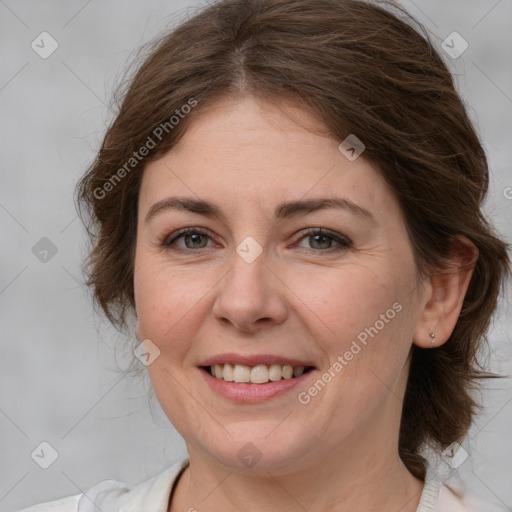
59, 370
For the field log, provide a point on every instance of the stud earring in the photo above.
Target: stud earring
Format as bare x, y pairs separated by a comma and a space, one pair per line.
432, 337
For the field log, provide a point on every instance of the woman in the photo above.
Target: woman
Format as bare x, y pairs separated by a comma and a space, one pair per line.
289, 201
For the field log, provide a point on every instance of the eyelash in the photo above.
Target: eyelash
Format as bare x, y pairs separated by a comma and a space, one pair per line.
344, 243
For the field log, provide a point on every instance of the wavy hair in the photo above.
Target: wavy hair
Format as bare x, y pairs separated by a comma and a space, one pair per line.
366, 68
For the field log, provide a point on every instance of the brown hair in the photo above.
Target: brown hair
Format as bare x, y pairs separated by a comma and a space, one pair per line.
363, 69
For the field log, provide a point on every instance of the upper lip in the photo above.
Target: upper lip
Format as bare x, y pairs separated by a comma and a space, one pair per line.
253, 360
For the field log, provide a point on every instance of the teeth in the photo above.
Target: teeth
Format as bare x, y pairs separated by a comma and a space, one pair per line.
287, 371
298, 370
275, 372
228, 372
218, 371
241, 373
260, 374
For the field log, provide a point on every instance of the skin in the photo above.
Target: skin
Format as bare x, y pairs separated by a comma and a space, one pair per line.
297, 299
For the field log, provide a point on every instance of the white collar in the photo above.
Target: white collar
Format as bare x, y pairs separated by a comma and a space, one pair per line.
153, 494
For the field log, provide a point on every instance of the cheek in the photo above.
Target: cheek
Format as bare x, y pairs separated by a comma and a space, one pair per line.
344, 301
360, 313
335, 304
168, 302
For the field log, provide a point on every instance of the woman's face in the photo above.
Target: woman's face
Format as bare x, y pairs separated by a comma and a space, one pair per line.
255, 279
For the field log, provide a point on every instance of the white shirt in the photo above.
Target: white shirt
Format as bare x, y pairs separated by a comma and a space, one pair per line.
153, 496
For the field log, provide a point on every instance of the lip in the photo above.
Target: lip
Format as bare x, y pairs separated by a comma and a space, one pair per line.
253, 360
253, 393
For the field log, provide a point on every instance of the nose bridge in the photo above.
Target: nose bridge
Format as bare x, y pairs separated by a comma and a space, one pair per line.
249, 292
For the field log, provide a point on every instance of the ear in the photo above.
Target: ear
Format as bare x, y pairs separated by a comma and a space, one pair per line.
445, 294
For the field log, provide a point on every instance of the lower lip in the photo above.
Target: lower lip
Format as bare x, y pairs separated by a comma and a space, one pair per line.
252, 393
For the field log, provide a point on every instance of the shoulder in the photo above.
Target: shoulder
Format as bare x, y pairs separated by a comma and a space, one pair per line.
115, 496
437, 496
449, 501
68, 504
95, 498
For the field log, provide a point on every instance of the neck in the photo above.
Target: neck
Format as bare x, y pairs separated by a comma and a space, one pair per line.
360, 471
346, 480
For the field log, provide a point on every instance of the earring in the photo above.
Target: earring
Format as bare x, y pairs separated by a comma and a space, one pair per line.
432, 337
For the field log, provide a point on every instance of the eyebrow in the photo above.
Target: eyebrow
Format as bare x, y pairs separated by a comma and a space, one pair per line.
284, 210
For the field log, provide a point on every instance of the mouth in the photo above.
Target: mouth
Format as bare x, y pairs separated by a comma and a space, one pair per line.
257, 374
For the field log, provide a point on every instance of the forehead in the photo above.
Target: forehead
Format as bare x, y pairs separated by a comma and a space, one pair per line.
242, 151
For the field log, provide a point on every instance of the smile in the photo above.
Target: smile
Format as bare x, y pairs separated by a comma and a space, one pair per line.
244, 390
258, 374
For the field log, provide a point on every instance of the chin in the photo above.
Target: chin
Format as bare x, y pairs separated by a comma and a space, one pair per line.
257, 453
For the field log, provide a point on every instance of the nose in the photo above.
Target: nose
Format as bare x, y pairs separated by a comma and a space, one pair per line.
250, 297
